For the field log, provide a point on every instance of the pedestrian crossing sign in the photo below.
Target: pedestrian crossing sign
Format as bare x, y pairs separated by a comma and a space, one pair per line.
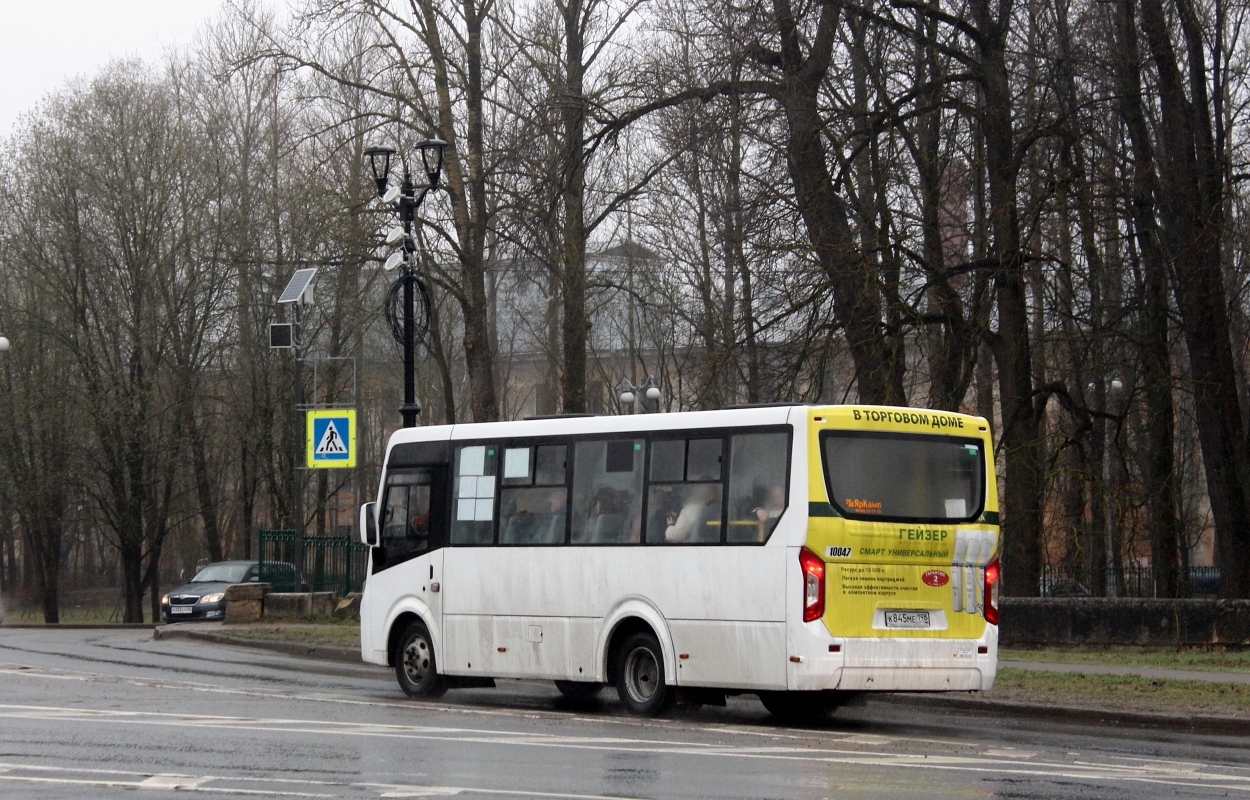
331, 438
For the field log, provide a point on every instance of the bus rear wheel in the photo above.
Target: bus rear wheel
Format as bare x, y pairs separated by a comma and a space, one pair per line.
415, 665
640, 676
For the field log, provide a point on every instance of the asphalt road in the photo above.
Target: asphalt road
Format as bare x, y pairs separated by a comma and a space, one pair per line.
99, 714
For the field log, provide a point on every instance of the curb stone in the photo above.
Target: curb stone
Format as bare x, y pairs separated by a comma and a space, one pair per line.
80, 626
1226, 726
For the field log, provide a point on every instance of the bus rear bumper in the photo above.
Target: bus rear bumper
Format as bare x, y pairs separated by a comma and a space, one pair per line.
897, 665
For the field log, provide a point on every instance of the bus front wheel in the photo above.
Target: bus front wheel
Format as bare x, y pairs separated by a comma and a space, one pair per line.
640, 676
415, 666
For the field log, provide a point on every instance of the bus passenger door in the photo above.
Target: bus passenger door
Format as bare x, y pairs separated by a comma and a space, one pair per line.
413, 532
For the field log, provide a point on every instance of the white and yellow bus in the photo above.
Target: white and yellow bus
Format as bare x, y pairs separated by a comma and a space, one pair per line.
801, 553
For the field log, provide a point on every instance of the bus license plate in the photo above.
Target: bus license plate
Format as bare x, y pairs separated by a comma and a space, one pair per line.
907, 619
184, 610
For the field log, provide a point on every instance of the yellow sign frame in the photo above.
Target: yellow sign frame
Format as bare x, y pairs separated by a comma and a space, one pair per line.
317, 426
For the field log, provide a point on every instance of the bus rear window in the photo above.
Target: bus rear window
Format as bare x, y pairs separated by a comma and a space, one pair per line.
904, 477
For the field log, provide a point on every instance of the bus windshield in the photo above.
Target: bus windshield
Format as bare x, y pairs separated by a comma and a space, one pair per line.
904, 477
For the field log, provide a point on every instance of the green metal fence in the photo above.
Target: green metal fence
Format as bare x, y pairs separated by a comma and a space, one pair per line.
331, 563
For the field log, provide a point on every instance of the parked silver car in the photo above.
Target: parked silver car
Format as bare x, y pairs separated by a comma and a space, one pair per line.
204, 598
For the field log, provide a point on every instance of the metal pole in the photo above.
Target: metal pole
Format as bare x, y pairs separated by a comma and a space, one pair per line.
1108, 518
298, 476
407, 206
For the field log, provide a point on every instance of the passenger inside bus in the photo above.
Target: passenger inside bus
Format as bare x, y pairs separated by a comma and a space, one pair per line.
533, 516
702, 502
608, 520
769, 509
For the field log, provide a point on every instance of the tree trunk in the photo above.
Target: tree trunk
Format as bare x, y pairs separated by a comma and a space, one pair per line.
573, 285
856, 288
1021, 440
1191, 184
204, 486
1160, 489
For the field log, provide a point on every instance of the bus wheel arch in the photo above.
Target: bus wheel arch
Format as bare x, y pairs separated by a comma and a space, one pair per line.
631, 616
398, 625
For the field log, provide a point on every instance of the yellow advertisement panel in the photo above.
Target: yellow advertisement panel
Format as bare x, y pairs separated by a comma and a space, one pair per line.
911, 523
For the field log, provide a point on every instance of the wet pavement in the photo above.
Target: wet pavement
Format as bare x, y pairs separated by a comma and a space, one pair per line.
100, 713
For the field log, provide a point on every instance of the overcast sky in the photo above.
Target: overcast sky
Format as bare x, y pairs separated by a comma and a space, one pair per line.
43, 43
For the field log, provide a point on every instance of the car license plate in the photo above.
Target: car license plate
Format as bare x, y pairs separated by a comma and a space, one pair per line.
907, 619
180, 609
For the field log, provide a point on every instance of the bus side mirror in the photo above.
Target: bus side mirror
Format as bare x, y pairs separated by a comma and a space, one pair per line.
369, 524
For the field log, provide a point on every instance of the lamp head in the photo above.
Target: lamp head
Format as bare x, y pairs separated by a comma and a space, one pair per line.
627, 398
380, 157
4, 344
432, 158
653, 393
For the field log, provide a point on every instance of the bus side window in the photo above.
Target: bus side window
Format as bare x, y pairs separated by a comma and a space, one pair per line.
533, 504
685, 492
473, 508
757, 485
607, 492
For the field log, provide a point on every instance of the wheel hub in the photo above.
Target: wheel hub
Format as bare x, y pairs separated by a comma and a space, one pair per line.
642, 674
417, 660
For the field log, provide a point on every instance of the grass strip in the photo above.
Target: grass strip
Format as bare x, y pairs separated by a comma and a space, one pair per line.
1122, 692
1121, 656
337, 635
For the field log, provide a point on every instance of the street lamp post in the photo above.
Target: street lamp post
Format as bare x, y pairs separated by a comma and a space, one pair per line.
634, 396
405, 201
1111, 572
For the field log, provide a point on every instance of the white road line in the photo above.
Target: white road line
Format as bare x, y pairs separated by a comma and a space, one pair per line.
113, 778
1084, 771
171, 781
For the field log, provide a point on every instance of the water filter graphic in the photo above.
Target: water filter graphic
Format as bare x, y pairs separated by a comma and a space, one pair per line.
973, 549
958, 567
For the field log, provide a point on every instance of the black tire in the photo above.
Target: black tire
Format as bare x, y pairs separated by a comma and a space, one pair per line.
640, 676
415, 665
579, 691
801, 707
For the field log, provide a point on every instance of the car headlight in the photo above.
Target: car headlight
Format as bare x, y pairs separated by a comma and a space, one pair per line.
165, 600
215, 597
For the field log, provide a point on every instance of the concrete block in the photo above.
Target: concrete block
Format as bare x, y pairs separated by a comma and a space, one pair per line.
245, 603
243, 612
299, 604
247, 591
348, 607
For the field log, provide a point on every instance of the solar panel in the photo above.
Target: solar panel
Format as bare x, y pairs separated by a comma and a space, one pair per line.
298, 284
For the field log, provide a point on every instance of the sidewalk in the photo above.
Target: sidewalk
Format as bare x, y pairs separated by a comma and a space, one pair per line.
1154, 673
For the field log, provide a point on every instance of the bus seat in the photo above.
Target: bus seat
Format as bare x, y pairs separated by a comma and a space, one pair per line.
608, 529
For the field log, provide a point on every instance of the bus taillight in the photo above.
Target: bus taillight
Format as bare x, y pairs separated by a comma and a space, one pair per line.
992, 574
813, 585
